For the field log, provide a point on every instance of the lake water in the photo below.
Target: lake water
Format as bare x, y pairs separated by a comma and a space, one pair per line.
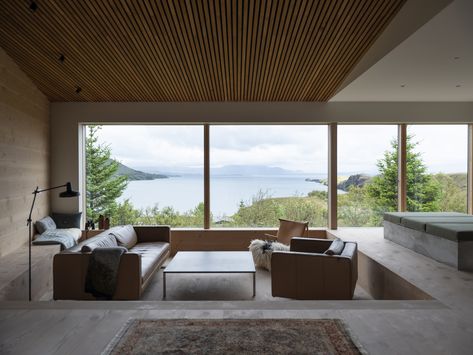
185, 192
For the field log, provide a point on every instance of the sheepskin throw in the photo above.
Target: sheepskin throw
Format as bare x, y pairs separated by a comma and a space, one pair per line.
262, 250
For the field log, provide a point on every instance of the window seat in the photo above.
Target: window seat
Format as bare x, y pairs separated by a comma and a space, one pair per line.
443, 236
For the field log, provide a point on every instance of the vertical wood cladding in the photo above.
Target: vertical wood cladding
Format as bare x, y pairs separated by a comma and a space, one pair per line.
199, 50
24, 153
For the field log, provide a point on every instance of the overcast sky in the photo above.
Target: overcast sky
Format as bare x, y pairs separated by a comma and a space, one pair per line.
299, 148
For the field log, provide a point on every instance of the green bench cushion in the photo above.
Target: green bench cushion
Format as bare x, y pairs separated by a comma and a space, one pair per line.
419, 223
457, 232
396, 217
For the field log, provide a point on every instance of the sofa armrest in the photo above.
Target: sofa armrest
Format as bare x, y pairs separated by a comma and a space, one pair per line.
311, 276
310, 245
148, 234
70, 270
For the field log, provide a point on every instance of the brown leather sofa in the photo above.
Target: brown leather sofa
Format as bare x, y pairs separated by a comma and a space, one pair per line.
305, 273
148, 248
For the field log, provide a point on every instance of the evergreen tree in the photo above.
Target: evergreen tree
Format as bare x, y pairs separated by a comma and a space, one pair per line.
102, 184
423, 192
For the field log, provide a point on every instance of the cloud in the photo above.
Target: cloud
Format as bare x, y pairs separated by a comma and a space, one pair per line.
293, 147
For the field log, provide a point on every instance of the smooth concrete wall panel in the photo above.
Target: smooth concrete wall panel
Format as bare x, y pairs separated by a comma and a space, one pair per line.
66, 118
24, 153
263, 112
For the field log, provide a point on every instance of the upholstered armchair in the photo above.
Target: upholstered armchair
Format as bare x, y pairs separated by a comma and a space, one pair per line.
306, 273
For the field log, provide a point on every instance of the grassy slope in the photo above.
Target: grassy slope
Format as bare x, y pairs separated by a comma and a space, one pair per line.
136, 174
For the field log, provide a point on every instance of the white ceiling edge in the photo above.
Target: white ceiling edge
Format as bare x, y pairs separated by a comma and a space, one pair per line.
434, 64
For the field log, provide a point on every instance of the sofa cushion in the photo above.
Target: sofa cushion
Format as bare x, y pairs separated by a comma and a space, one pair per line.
453, 231
349, 249
396, 217
104, 241
125, 235
67, 220
335, 248
419, 223
44, 224
151, 255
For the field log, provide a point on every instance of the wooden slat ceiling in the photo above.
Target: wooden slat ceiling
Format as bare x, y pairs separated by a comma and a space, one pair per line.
149, 50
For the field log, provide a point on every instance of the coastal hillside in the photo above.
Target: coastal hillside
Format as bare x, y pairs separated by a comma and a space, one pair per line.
359, 180
134, 175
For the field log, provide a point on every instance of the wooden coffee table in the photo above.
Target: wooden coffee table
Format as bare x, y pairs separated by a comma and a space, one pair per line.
211, 262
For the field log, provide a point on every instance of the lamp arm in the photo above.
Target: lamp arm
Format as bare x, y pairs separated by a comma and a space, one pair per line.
35, 192
28, 221
50, 188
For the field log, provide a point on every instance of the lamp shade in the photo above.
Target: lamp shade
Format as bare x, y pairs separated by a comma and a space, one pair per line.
69, 192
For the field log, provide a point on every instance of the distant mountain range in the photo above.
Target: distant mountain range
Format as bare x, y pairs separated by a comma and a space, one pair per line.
248, 170
134, 175
236, 170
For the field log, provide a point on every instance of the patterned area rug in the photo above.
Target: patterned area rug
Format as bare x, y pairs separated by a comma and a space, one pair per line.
234, 336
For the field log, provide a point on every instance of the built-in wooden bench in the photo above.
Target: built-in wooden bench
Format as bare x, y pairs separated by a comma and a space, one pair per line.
443, 236
14, 273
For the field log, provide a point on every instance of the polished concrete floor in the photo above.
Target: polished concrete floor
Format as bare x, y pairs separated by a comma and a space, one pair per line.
440, 326
214, 287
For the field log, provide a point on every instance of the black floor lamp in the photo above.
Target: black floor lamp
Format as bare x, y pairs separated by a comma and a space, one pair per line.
68, 193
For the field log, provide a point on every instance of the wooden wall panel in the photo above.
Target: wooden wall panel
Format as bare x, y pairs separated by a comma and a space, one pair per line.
181, 50
24, 153
222, 239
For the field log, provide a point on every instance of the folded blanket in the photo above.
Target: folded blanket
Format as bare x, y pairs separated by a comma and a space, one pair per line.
102, 272
67, 237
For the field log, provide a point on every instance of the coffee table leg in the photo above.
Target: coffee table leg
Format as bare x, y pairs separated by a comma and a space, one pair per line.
254, 284
164, 285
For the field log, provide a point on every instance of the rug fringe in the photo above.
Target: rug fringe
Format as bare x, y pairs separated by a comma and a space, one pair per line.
113, 343
353, 337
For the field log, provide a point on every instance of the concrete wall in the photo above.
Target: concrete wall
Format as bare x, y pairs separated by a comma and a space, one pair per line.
24, 153
66, 118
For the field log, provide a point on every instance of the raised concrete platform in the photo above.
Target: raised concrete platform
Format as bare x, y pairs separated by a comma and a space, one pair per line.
458, 254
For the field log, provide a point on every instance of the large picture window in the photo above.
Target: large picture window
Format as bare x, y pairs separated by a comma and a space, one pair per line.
145, 174
367, 173
261, 173
437, 168
154, 174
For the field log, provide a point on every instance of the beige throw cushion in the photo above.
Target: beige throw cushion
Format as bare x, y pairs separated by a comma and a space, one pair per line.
106, 241
335, 248
126, 236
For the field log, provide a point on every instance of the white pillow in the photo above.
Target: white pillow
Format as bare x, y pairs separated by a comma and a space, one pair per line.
45, 224
125, 235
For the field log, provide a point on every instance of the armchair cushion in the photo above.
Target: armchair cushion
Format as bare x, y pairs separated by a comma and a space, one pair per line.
310, 245
335, 248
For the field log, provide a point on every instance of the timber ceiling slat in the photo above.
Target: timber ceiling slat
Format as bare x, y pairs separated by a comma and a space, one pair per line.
329, 28
361, 42
199, 50
299, 41
345, 54
48, 54
329, 46
292, 49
